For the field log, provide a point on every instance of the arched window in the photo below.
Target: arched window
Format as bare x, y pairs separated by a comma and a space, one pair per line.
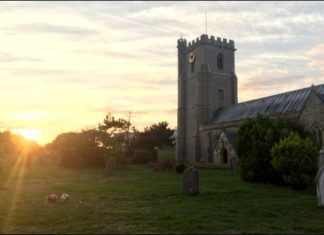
221, 95
317, 130
193, 67
319, 138
220, 61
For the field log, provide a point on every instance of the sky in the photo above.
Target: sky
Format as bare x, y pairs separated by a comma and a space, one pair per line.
64, 65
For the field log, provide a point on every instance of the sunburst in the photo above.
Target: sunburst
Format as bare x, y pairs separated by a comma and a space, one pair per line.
29, 133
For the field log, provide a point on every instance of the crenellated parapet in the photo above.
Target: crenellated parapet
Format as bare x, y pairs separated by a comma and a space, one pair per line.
204, 39
182, 42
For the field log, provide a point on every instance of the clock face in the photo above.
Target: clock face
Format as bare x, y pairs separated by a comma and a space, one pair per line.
191, 57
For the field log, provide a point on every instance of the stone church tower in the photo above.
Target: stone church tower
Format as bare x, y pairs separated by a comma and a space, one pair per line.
206, 81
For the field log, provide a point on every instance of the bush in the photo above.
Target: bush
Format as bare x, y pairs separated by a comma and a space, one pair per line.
77, 150
296, 160
141, 156
180, 168
253, 144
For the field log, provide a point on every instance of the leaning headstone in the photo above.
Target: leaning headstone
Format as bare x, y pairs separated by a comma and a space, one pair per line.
191, 182
110, 166
234, 165
320, 179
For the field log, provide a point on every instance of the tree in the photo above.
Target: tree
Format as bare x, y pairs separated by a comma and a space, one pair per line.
91, 147
78, 149
156, 135
108, 130
253, 144
111, 137
15, 148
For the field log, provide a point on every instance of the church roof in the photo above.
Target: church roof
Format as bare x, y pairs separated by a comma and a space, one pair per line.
288, 102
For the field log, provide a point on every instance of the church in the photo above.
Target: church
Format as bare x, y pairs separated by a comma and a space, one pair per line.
209, 113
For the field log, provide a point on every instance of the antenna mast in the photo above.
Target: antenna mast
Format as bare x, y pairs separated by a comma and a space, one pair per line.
206, 20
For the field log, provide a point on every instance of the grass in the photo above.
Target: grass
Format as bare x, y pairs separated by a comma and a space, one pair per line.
166, 153
138, 200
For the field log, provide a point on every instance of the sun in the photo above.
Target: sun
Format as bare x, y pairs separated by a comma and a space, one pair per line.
30, 133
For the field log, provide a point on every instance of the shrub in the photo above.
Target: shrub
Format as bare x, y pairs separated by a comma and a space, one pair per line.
180, 168
296, 160
253, 144
141, 156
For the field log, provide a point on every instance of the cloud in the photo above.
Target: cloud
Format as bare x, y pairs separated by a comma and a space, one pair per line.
83, 59
272, 80
116, 111
56, 29
9, 57
316, 56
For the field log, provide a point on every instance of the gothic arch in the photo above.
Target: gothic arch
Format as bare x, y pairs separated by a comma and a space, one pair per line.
318, 130
224, 155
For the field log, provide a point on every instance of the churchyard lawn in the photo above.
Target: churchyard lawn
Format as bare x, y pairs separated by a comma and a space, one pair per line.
138, 200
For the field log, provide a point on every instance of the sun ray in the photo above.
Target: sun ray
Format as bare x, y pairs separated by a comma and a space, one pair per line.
15, 179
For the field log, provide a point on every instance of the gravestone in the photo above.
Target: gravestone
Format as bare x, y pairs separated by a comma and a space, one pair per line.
320, 179
234, 165
191, 182
321, 159
110, 166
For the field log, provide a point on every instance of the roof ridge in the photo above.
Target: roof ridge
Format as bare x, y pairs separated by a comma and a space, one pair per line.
270, 96
286, 102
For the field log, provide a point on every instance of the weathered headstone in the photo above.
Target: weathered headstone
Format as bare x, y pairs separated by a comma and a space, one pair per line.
320, 179
191, 182
234, 165
320, 186
321, 159
110, 166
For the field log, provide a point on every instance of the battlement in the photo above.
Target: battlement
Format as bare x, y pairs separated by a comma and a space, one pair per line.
204, 39
182, 42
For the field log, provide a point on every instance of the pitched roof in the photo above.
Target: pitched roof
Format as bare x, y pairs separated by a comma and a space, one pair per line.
288, 102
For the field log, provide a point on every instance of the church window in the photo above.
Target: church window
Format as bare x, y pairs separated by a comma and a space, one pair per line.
319, 138
221, 94
318, 134
192, 67
220, 61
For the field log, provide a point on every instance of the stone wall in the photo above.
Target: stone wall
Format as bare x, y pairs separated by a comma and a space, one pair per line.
313, 112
